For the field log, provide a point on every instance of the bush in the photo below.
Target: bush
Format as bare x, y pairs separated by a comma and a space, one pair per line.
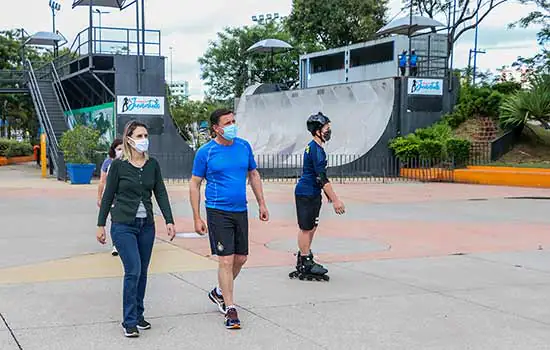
458, 149
430, 149
79, 144
475, 102
405, 147
507, 87
439, 131
13, 148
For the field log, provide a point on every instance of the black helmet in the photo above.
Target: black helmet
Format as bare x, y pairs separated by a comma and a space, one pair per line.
316, 122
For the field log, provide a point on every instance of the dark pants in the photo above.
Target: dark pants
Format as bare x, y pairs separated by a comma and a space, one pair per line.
135, 245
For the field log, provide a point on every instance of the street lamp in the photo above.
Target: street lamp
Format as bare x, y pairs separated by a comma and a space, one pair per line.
99, 12
268, 17
54, 6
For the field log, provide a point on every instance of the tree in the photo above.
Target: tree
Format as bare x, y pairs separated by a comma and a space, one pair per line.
227, 68
336, 23
188, 115
541, 61
528, 105
467, 15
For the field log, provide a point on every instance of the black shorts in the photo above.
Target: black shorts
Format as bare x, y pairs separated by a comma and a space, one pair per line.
228, 232
307, 211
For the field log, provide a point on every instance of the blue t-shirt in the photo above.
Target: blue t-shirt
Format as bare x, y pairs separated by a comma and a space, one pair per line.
106, 164
315, 163
225, 169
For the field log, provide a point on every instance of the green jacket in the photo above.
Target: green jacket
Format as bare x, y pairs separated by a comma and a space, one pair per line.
127, 186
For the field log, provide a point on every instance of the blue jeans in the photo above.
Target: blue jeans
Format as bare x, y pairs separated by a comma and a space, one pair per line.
135, 245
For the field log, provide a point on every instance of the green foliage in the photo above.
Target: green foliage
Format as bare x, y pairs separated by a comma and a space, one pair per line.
79, 144
458, 149
335, 23
407, 147
187, 114
439, 131
475, 102
528, 105
227, 67
507, 87
430, 149
431, 143
13, 148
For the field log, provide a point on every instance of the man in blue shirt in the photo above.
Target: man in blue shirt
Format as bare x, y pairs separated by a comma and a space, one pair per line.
226, 162
308, 197
413, 64
403, 62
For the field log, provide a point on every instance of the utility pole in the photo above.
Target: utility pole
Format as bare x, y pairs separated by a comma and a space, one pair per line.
171, 67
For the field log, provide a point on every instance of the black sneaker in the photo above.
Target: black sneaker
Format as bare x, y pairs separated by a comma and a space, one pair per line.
131, 332
143, 325
232, 319
217, 299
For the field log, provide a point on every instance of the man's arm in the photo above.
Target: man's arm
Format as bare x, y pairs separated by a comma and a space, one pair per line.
256, 184
195, 196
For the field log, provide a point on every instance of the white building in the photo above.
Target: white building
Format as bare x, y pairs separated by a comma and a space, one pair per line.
375, 59
179, 89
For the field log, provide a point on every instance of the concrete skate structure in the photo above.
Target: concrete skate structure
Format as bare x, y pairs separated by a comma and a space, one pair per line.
359, 88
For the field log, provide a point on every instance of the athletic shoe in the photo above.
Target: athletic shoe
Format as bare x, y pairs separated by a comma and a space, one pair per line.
131, 332
143, 325
232, 319
114, 252
217, 299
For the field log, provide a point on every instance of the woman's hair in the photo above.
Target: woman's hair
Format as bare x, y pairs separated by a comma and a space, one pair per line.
128, 131
112, 150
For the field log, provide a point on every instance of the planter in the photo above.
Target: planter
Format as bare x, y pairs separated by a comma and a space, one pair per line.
16, 160
80, 174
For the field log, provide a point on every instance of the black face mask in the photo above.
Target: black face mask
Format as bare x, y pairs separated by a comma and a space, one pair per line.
326, 135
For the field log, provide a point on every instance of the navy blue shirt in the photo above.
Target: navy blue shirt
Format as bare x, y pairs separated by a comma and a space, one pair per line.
225, 169
315, 163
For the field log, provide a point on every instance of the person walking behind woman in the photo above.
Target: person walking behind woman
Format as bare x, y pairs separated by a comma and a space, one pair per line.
115, 152
130, 184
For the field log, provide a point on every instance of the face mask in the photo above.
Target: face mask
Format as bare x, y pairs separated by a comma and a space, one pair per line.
327, 134
141, 145
118, 154
230, 132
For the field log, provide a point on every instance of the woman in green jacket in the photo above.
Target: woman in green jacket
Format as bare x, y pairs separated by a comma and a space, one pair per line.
127, 196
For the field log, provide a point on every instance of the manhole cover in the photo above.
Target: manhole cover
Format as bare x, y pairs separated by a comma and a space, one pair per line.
331, 245
189, 235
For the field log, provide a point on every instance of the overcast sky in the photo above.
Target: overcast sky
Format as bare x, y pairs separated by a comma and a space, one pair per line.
188, 28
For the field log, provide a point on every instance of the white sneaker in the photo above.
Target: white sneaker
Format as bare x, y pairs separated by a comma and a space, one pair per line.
114, 252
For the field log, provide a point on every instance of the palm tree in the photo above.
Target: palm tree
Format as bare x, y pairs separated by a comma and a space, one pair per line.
528, 105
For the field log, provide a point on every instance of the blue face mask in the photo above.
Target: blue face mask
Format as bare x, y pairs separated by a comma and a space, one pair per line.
230, 132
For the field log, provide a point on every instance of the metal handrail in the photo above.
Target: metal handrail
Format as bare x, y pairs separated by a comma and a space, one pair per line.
61, 95
42, 111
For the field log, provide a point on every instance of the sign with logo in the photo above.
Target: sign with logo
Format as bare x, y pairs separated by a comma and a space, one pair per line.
420, 86
140, 105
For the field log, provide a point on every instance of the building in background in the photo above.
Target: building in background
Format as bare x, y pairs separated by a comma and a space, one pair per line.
179, 89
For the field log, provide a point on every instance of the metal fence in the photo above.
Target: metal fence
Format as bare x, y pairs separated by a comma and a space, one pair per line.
345, 168
505, 143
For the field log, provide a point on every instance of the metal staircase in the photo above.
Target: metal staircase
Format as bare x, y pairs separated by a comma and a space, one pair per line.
49, 102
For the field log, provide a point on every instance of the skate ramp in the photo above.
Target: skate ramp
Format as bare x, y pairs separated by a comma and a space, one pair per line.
275, 123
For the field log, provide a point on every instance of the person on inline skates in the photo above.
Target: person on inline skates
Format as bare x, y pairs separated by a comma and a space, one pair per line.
309, 199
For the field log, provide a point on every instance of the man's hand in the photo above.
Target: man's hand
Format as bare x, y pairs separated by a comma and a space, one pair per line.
171, 231
264, 213
200, 227
99, 203
339, 207
100, 235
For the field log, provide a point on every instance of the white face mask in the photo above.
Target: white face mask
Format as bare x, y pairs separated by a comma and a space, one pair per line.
141, 145
118, 154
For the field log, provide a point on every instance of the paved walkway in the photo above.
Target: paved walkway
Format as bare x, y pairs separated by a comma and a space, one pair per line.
412, 266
